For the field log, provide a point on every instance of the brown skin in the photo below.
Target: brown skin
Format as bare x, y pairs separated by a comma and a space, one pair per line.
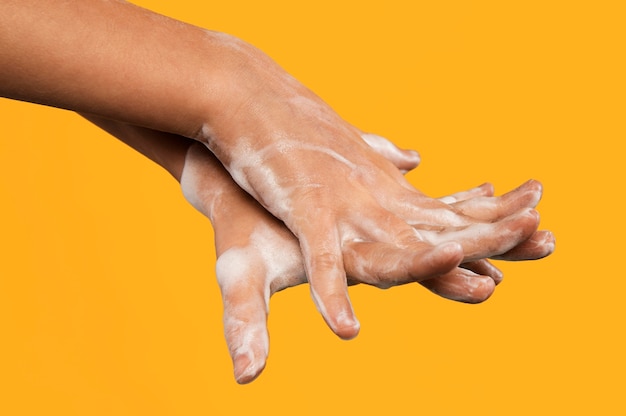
280, 142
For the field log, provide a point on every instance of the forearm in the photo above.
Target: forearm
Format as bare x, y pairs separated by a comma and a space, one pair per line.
113, 59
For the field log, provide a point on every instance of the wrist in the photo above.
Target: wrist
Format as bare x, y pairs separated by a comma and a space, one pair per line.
207, 186
244, 94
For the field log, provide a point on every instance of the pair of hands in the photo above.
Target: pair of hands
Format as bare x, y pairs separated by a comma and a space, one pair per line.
325, 204
258, 256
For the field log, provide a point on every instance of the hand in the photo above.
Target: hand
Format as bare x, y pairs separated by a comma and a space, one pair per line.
342, 200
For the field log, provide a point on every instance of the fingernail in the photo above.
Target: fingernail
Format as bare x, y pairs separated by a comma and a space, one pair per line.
415, 155
346, 325
498, 276
488, 186
245, 369
532, 213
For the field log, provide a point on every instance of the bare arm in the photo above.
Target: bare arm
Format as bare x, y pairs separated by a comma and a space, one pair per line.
110, 58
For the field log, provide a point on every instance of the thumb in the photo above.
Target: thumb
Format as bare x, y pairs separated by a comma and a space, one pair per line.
404, 160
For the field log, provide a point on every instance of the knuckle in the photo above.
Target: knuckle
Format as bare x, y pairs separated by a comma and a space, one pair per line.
232, 266
326, 261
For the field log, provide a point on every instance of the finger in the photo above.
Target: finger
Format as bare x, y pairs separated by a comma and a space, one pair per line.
246, 305
484, 240
541, 244
462, 285
483, 267
425, 213
384, 265
404, 160
324, 267
485, 189
492, 208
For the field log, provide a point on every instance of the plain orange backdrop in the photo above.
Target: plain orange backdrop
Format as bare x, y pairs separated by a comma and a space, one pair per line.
108, 304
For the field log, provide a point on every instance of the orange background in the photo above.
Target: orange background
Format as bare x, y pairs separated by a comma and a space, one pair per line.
108, 301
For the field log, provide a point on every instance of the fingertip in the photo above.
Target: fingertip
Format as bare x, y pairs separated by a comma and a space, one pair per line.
413, 158
535, 184
485, 268
541, 244
338, 314
462, 286
530, 214
533, 213
406, 160
247, 367
546, 243
479, 289
537, 190
493, 272
249, 357
483, 290
346, 326
487, 188
497, 276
